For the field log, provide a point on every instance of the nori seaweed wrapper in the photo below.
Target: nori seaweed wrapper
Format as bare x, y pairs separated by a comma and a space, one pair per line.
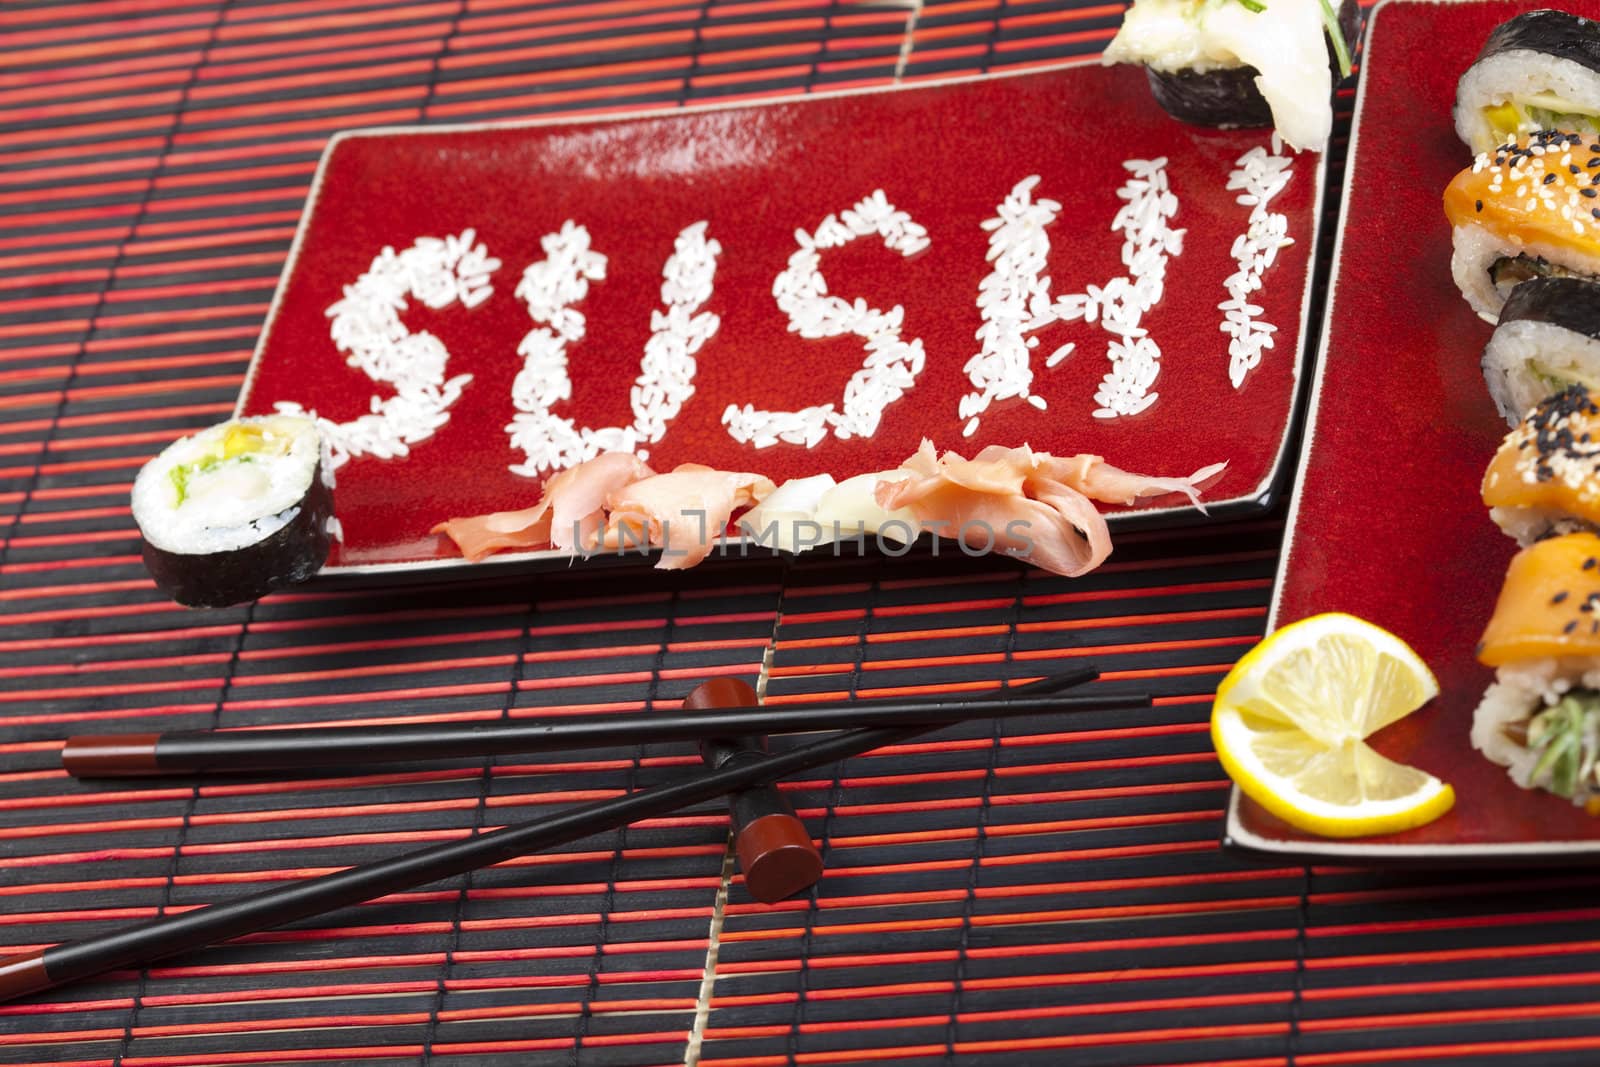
1226, 97
1229, 97
1572, 304
219, 579
1552, 33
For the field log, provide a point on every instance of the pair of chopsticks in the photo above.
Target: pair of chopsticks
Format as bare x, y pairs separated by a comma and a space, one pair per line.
866, 727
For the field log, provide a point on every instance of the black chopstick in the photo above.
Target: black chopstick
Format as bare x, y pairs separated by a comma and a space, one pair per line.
203, 751
173, 934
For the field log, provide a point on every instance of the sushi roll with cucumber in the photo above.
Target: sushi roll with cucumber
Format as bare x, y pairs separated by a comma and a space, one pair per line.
1529, 209
1538, 71
1547, 338
1540, 718
235, 511
1243, 62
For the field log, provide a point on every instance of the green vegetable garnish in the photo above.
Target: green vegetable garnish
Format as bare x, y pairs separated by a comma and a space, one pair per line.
1341, 47
1565, 742
1330, 21
180, 482
240, 444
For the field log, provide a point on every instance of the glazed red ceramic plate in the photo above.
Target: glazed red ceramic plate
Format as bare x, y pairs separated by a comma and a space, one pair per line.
793, 288
1386, 521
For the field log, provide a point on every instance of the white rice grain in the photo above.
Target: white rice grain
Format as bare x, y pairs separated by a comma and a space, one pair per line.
1260, 176
366, 326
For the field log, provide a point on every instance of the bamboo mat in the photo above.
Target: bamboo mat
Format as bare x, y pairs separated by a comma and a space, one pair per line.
1042, 892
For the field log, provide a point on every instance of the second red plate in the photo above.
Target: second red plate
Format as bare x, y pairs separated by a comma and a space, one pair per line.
1387, 522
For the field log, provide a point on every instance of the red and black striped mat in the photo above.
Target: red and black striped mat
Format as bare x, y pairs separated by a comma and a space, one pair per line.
1045, 892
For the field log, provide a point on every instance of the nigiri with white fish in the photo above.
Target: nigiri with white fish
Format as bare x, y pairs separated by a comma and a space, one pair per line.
1243, 62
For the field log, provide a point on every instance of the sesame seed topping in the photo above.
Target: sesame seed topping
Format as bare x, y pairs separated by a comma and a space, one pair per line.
1589, 191
1559, 597
1480, 205
1562, 450
1548, 178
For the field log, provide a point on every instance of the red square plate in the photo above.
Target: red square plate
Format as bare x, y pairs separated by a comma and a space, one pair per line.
447, 283
1386, 521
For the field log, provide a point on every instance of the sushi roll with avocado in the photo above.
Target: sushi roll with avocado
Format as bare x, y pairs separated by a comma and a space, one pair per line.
1540, 718
235, 511
1545, 477
1538, 71
1529, 209
1243, 62
1547, 339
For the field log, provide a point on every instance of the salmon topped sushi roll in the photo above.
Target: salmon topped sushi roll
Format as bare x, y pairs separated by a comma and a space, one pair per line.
1545, 478
1541, 716
1528, 209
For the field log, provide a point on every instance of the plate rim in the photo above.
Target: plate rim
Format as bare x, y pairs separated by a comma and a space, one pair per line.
1252, 502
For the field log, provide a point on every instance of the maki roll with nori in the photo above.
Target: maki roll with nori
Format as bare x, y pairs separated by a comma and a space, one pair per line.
1547, 338
1539, 71
235, 511
1529, 209
1243, 62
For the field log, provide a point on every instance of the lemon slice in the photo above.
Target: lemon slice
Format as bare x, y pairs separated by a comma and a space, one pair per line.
1291, 720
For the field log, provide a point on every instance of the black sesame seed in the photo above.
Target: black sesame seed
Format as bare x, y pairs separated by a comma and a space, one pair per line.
1589, 564
1548, 178
1559, 597
1574, 168
1569, 627
1480, 205
1589, 191
1595, 211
